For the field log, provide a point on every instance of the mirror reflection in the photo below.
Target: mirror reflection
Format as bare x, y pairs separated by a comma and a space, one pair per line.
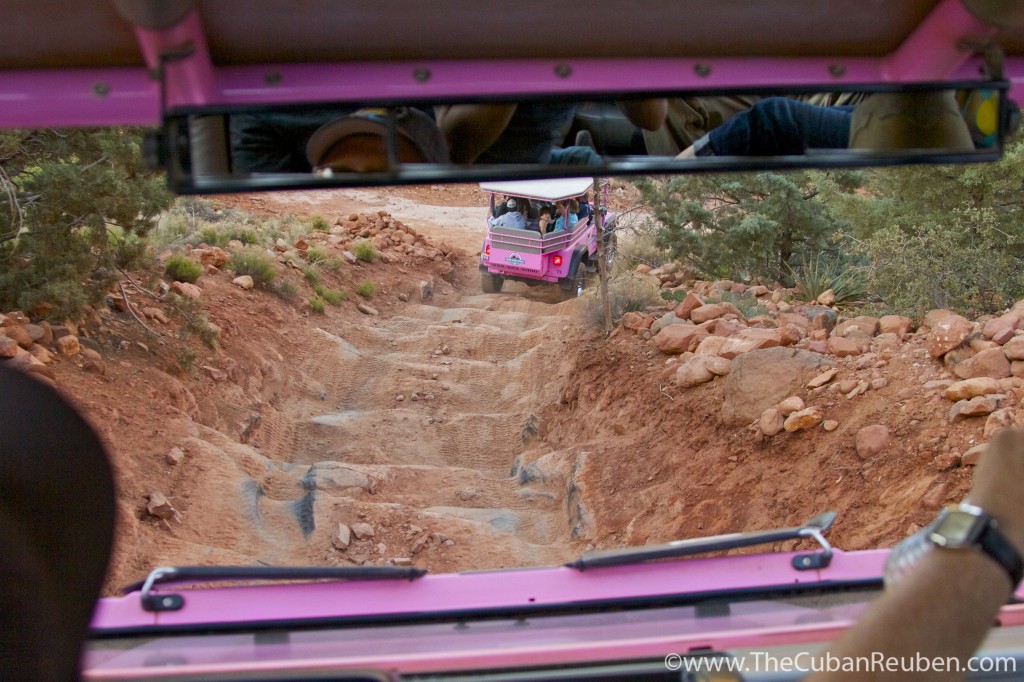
355, 144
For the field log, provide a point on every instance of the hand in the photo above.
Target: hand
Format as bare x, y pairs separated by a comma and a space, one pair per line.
998, 483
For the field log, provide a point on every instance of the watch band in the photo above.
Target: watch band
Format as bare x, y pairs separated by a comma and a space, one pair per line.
996, 545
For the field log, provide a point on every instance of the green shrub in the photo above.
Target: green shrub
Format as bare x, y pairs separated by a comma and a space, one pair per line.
317, 304
185, 358
627, 292
285, 289
320, 257
181, 268
256, 263
366, 288
746, 302
365, 251
311, 274
319, 224
332, 296
819, 274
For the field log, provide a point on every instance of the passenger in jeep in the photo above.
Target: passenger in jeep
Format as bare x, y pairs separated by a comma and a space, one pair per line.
514, 218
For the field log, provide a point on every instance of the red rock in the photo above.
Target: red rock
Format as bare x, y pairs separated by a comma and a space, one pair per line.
790, 405
1017, 368
935, 497
827, 298
895, 324
688, 305
947, 461
726, 328
988, 363
948, 333
760, 379
68, 345
790, 334
866, 324
823, 378
871, 440
932, 317
19, 335
1014, 348
843, 347
817, 346
804, 419
679, 338
1003, 336
711, 345
637, 321
974, 455
979, 344
8, 347
187, 290
795, 319
1000, 419
975, 407
999, 326
750, 340
707, 312
694, 372
771, 422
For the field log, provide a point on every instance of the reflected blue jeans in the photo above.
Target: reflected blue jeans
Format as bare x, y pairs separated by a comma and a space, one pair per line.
778, 126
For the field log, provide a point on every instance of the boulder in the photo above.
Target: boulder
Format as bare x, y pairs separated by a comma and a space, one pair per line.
988, 363
842, 347
1014, 348
695, 372
948, 333
895, 324
244, 282
362, 531
68, 345
688, 305
707, 312
771, 421
971, 388
749, 340
8, 347
760, 379
804, 419
637, 321
790, 405
664, 321
826, 298
19, 335
865, 323
871, 440
823, 378
932, 317
679, 338
342, 537
973, 455
367, 310
187, 290
711, 345
999, 327
974, 407
1000, 419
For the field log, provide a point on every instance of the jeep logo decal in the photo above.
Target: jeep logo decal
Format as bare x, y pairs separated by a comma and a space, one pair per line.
514, 259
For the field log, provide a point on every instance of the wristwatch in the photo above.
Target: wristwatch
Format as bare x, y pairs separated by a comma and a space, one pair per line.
964, 526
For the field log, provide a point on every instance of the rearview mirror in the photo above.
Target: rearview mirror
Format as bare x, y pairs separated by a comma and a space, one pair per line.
374, 143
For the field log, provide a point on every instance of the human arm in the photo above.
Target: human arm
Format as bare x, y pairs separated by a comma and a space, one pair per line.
472, 128
649, 114
945, 607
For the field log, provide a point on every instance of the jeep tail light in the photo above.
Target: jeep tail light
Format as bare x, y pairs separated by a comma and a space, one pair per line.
556, 261
487, 250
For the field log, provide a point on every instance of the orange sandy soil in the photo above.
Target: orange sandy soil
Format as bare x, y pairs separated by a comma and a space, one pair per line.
513, 379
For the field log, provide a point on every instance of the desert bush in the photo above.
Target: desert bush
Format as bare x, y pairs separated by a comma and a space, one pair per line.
311, 274
317, 305
318, 224
746, 302
366, 288
627, 292
332, 296
640, 248
181, 268
365, 251
816, 275
320, 257
185, 359
285, 289
256, 263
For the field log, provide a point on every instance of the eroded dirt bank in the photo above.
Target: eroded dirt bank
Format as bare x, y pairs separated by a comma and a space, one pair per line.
458, 430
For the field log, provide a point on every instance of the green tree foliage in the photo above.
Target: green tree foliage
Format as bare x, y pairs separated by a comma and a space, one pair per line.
944, 236
747, 225
74, 206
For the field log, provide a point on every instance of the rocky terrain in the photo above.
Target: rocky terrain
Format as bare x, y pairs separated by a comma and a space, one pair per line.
430, 424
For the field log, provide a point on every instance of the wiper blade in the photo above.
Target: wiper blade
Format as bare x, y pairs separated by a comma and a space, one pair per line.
814, 529
205, 574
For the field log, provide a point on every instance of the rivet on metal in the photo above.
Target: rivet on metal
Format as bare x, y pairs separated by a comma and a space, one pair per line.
421, 75
702, 70
563, 70
273, 78
101, 89
837, 70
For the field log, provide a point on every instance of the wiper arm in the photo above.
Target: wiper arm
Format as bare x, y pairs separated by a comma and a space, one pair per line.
814, 529
205, 574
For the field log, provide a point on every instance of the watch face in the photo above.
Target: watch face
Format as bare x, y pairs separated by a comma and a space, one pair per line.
957, 529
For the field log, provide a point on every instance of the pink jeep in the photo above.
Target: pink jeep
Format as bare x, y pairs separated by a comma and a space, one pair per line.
566, 256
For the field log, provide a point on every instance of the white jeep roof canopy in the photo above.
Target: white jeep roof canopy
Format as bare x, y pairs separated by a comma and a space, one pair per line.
544, 190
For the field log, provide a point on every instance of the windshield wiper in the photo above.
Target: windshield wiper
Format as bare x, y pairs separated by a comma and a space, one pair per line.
814, 529
205, 574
